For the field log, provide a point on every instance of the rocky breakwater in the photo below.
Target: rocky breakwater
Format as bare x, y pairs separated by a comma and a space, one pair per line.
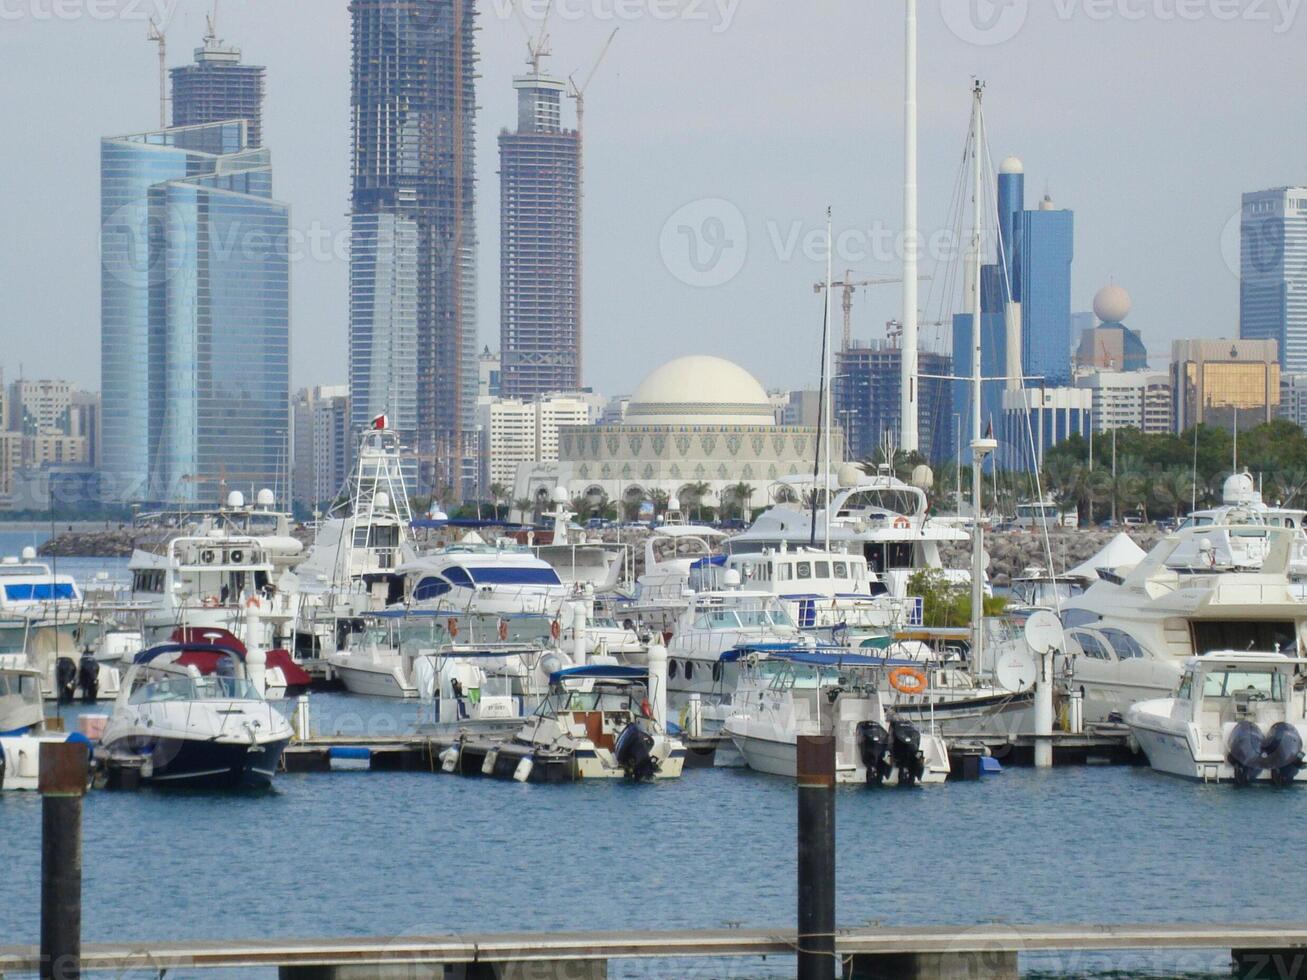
1012, 552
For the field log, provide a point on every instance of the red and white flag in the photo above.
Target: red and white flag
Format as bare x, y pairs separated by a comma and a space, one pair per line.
381, 422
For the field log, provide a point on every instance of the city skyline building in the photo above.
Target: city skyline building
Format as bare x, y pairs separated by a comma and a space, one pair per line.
195, 318
413, 82
867, 405
1224, 383
219, 88
540, 263
1273, 272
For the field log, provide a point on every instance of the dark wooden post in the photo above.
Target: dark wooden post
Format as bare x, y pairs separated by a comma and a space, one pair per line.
62, 784
816, 778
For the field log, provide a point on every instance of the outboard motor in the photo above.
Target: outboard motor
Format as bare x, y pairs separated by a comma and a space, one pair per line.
88, 678
1282, 753
873, 745
634, 753
65, 679
906, 751
1244, 752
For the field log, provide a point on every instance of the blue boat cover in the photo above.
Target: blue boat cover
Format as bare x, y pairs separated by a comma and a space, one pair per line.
611, 672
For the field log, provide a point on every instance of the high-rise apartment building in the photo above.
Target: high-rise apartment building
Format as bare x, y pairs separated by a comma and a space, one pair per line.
218, 88
516, 431
323, 443
866, 403
414, 229
540, 263
1273, 272
195, 316
1129, 400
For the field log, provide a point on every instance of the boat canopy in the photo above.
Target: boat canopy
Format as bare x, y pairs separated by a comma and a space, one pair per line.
148, 656
812, 657
608, 672
1120, 552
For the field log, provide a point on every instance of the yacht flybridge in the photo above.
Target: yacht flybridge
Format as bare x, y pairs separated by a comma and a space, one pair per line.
879, 517
1202, 590
1235, 717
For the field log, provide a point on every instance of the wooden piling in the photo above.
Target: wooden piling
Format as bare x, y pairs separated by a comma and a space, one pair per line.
62, 783
816, 846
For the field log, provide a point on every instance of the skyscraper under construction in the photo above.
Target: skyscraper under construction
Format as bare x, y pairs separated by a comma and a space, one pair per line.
540, 289
218, 88
413, 350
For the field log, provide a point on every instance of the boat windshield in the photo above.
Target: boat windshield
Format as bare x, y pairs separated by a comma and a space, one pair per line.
210, 688
1257, 685
598, 699
747, 617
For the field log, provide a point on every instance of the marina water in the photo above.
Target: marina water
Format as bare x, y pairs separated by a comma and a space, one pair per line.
371, 853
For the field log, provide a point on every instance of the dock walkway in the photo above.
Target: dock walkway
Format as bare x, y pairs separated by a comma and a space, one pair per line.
1259, 951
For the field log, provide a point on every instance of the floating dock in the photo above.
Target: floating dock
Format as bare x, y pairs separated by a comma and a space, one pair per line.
984, 952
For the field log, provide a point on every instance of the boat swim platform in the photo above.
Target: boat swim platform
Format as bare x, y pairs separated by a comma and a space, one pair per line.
1264, 951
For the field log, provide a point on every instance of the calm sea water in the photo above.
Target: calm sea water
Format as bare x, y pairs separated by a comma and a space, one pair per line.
397, 854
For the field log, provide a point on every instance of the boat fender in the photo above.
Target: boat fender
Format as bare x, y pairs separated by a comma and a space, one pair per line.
65, 676
449, 759
503, 630
451, 626
88, 678
1244, 752
633, 751
1282, 753
4, 764
488, 764
523, 771
908, 680
873, 746
555, 629
906, 752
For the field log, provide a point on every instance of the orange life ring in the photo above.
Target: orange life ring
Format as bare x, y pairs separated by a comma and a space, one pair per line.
212, 602
555, 629
451, 625
253, 602
902, 523
503, 630
908, 680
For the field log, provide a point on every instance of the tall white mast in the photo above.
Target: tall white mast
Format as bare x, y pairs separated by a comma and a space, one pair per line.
825, 367
908, 383
980, 447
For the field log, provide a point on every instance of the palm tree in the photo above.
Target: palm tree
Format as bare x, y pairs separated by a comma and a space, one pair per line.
741, 494
524, 506
499, 494
696, 492
660, 499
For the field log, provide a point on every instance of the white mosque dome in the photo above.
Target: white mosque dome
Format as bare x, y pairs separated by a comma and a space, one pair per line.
700, 390
1112, 304
1012, 165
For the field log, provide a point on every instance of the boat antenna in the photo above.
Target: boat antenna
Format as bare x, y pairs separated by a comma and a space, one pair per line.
825, 368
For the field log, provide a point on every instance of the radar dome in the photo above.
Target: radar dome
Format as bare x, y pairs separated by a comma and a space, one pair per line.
266, 498
559, 495
381, 501
29, 553
923, 477
235, 499
1112, 304
849, 476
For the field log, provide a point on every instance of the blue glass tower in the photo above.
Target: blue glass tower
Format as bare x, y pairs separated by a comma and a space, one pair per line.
1273, 272
1045, 245
993, 347
195, 316
1011, 202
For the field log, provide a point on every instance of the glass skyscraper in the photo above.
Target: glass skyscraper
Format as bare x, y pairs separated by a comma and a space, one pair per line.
414, 161
1045, 245
195, 316
1273, 272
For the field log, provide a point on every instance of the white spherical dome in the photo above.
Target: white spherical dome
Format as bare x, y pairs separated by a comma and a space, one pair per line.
1112, 304
1012, 165
700, 390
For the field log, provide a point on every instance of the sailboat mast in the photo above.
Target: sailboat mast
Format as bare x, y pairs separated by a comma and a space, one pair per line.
825, 367
977, 456
908, 414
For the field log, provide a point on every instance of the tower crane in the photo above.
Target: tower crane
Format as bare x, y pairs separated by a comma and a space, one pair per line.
159, 37
848, 286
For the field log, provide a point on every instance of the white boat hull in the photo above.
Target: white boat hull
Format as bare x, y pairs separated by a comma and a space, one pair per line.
780, 758
373, 679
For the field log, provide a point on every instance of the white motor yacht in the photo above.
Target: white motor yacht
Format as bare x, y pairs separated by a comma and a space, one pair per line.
784, 693
670, 554
472, 577
1235, 717
714, 623
601, 716
192, 729
1200, 590
22, 724
880, 517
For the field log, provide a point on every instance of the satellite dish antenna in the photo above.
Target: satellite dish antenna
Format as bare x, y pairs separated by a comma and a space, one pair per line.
1043, 632
1016, 670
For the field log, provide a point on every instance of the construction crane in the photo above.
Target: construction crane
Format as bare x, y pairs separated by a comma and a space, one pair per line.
849, 285
160, 37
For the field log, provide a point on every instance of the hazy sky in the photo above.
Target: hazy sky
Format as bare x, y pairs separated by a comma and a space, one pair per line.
716, 130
